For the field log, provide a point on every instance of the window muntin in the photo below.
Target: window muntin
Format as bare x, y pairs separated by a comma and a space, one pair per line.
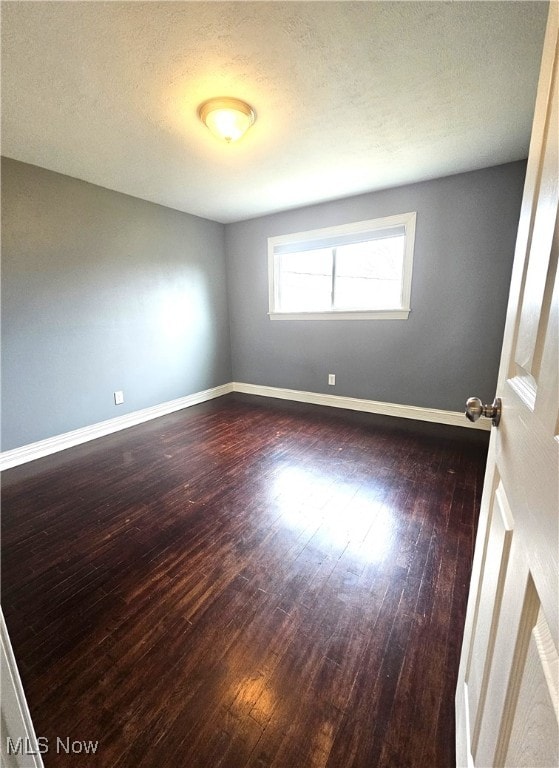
361, 270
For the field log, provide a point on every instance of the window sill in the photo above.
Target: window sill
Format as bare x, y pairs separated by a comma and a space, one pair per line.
388, 314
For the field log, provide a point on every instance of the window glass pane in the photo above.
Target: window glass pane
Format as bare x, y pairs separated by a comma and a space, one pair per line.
354, 293
369, 275
305, 281
344, 270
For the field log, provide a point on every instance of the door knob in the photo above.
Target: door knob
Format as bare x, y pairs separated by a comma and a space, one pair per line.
475, 408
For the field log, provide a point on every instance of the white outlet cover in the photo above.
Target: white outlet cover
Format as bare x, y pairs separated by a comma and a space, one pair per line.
119, 397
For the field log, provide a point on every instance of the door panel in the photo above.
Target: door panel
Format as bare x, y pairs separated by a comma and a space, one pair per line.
491, 592
532, 311
507, 694
536, 705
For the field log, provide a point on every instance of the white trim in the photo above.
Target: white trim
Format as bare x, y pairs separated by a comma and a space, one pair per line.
389, 314
435, 415
77, 436
315, 236
43, 448
354, 227
16, 719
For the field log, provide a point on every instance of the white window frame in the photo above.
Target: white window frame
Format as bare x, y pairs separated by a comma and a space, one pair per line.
358, 228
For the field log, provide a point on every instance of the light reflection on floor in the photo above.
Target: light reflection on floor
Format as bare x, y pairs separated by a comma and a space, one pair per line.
346, 518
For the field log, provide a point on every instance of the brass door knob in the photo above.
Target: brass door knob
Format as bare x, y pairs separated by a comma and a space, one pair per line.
475, 408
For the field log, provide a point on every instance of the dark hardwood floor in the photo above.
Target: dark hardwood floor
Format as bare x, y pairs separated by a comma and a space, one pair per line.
245, 583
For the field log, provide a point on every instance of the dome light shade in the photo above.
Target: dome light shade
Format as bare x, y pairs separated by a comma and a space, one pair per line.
228, 119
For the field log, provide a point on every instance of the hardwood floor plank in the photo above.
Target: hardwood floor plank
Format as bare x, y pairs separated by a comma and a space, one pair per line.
247, 584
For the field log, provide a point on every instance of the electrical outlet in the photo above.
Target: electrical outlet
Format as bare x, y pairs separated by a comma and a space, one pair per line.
119, 397
332, 379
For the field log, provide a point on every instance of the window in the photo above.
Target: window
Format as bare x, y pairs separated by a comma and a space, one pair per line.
353, 271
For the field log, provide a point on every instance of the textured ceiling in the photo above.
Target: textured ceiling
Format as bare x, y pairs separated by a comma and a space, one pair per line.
349, 96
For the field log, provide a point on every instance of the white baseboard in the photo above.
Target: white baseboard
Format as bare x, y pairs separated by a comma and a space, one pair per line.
435, 415
77, 436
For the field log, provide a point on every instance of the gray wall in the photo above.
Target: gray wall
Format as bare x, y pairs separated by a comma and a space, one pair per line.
101, 291
449, 347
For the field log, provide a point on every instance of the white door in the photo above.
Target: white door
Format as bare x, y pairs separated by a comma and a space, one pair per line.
19, 747
507, 694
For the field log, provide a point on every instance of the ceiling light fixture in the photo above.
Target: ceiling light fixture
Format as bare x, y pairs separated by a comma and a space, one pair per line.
228, 119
